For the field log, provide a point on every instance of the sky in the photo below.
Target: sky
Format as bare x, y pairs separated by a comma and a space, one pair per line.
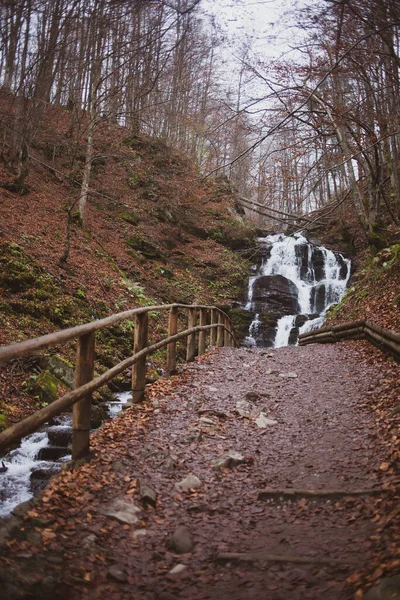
263, 20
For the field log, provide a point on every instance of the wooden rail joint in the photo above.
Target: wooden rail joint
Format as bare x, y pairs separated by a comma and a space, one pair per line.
212, 321
384, 339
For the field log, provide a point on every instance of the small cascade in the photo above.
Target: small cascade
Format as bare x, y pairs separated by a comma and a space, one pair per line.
293, 288
39, 456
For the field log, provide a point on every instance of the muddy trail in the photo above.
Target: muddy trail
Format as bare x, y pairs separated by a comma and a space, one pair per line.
184, 496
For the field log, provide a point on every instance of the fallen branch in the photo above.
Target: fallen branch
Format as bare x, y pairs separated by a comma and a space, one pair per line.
268, 493
223, 557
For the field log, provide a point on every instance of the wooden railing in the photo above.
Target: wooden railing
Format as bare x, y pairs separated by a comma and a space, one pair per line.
385, 339
212, 320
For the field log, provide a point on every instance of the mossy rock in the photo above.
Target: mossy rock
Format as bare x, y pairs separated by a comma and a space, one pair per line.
149, 250
98, 413
234, 235
17, 273
3, 422
128, 217
45, 388
241, 320
60, 368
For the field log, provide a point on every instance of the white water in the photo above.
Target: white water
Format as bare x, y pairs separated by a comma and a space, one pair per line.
15, 483
284, 261
285, 325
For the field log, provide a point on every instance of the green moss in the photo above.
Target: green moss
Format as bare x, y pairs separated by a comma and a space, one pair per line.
128, 217
146, 248
3, 422
44, 387
234, 235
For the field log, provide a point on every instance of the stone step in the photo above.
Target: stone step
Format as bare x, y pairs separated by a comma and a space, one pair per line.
60, 437
53, 453
40, 477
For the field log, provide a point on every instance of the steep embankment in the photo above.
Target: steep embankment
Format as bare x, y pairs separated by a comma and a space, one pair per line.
153, 232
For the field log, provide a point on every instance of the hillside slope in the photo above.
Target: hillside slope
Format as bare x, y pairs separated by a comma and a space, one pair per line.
154, 233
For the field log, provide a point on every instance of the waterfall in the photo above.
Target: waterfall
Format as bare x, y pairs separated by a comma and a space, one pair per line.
28, 471
293, 288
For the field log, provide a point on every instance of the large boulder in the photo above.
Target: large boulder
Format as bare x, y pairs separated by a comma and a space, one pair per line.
318, 262
301, 251
318, 298
275, 294
264, 331
343, 272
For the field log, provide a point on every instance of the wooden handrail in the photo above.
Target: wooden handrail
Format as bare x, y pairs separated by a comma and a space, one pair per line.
80, 398
382, 338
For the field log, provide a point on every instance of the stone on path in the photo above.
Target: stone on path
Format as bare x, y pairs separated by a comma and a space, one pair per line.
244, 408
178, 569
262, 421
229, 460
190, 482
116, 572
290, 375
148, 497
207, 424
388, 589
181, 541
124, 511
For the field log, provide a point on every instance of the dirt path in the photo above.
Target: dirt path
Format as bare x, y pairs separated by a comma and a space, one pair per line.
320, 437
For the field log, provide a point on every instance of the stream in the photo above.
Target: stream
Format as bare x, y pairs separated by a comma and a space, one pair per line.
293, 287
39, 456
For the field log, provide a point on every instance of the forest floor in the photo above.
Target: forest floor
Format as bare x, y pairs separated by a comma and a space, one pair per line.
98, 531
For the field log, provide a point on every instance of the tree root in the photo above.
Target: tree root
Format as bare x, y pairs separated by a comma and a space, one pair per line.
289, 493
250, 557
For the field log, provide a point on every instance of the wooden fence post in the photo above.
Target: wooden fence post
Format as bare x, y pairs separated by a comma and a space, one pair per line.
191, 339
139, 368
202, 334
227, 335
220, 334
171, 348
213, 332
81, 409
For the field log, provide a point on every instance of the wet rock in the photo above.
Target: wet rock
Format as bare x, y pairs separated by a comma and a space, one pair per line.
98, 413
60, 437
318, 260
318, 298
117, 572
275, 294
388, 589
22, 509
52, 453
229, 460
293, 336
300, 320
148, 497
177, 570
301, 251
262, 421
190, 482
124, 511
181, 541
39, 478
